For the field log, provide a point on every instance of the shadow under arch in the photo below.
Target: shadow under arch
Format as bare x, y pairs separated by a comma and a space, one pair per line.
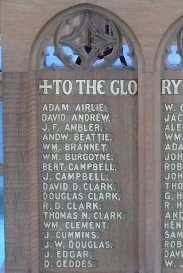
171, 31
48, 30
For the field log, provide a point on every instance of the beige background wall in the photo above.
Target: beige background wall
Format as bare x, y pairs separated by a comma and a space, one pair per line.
21, 21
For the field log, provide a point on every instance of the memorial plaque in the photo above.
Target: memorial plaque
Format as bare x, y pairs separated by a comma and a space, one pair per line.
88, 185
172, 174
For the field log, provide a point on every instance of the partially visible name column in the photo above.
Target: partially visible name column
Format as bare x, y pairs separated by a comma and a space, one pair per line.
75, 182
172, 184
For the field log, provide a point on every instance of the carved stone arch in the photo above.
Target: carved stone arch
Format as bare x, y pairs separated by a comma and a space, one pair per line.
171, 32
134, 109
163, 75
50, 27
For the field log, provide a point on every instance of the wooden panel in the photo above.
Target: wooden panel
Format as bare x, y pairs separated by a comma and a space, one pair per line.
31, 86
16, 182
171, 177
125, 130
21, 21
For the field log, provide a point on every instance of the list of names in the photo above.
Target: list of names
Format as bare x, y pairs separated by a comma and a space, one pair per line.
172, 184
76, 180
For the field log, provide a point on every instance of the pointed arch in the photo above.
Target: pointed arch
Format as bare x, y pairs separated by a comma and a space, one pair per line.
163, 100
52, 25
169, 34
44, 35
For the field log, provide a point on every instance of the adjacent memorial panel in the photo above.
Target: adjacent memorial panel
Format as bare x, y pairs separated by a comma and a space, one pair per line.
172, 175
88, 182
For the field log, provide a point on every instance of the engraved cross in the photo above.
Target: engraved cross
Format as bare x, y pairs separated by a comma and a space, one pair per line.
45, 86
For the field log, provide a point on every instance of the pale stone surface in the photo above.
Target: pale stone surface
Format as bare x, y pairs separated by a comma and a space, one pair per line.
22, 21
